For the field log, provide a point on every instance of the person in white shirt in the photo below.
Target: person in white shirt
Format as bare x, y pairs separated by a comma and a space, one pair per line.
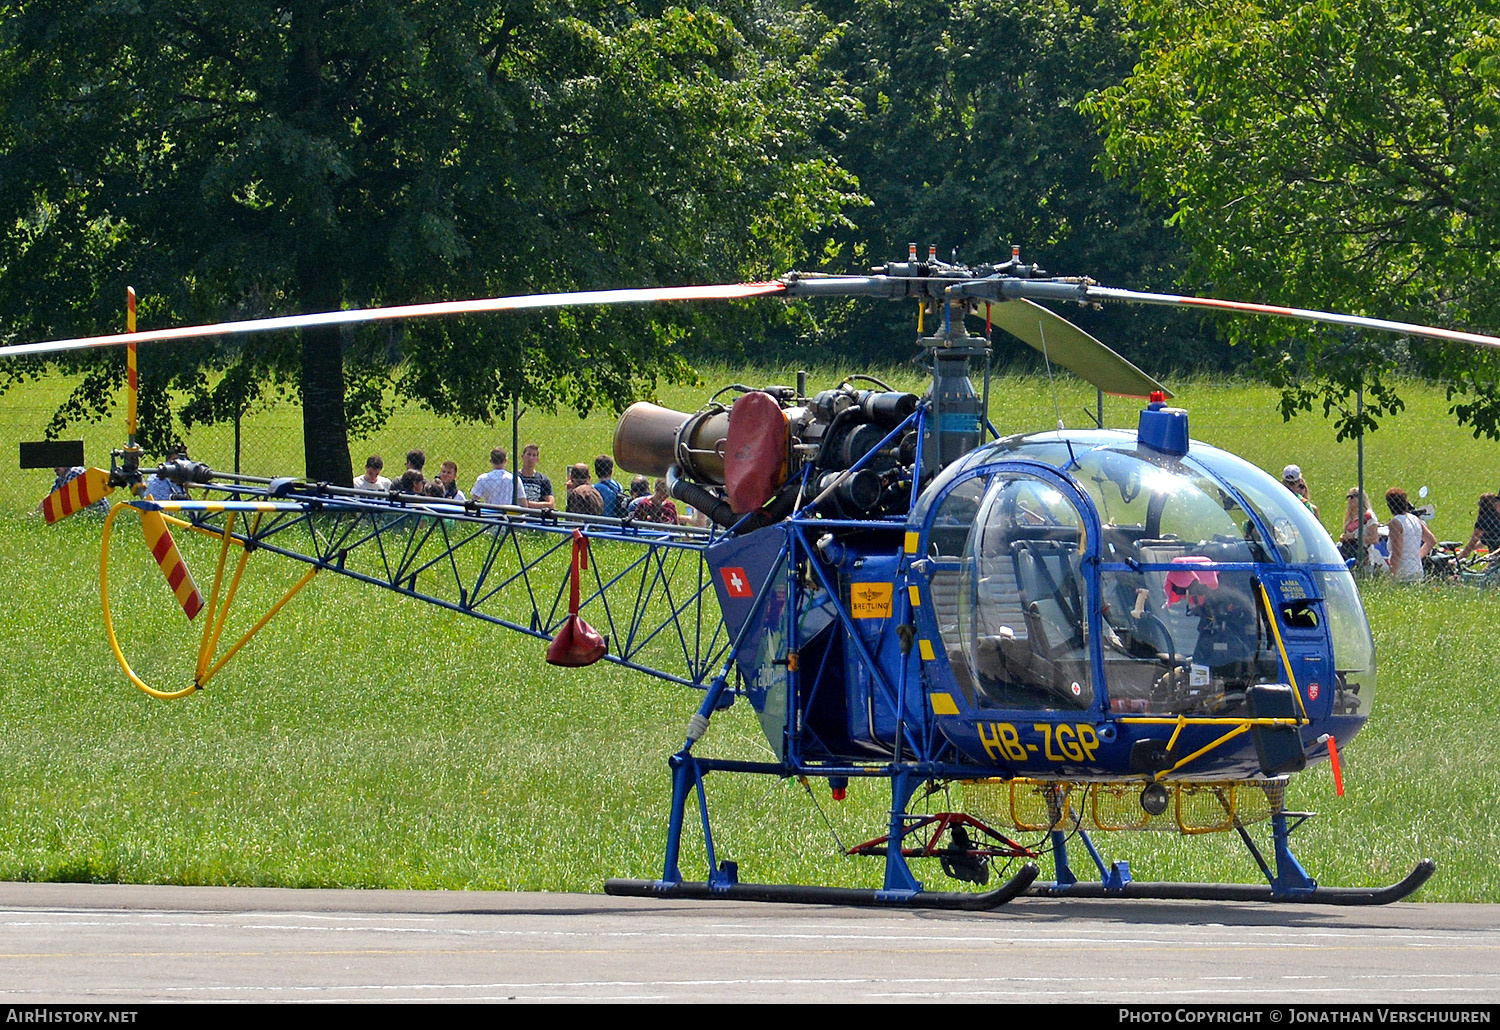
1410, 539
372, 479
498, 486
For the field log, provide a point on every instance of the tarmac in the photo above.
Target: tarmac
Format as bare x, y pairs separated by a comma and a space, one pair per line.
114, 945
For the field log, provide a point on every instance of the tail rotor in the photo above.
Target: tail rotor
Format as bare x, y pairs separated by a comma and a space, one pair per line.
94, 484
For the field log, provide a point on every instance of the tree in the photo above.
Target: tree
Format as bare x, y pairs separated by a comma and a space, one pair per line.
1329, 154
967, 135
272, 157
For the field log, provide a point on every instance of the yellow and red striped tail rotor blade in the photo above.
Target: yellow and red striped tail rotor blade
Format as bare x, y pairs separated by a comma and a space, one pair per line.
164, 550
75, 495
132, 376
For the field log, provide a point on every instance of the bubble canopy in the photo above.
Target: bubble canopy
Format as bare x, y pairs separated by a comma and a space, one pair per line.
1198, 491
1078, 570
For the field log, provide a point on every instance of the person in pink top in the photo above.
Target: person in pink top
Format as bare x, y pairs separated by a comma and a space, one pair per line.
1357, 513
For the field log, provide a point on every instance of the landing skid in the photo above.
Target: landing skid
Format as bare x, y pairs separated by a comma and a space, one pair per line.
913, 836
1286, 880
954, 901
901, 889
1240, 892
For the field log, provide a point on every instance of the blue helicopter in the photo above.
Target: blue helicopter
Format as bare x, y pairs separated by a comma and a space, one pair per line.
1089, 630
1082, 631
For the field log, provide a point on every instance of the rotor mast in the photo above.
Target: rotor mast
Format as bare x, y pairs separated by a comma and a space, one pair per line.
957, 412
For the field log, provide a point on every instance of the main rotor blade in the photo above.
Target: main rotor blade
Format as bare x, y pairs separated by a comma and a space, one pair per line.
1081, 291
1069, 346
1331, 318
729, 291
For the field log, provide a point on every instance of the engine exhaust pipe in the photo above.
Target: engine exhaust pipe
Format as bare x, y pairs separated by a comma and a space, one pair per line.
650, 439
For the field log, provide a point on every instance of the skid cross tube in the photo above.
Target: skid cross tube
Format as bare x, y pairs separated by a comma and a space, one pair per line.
901, 889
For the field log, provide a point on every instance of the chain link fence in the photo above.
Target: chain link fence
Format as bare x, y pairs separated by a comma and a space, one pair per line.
269, 442
1420, 447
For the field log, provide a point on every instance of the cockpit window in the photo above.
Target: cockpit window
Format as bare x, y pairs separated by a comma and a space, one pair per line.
1125, 481
1187, 544
1353, 649
1183, 638
1146, 499
1020, 636
1297, 536
1182, 633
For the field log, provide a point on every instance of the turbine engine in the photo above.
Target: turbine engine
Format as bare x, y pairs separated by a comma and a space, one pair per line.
749, 458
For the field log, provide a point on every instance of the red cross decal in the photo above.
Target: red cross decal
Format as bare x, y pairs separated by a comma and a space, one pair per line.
736, 582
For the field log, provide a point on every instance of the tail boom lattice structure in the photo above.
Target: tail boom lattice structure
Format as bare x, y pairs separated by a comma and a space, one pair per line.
645, 586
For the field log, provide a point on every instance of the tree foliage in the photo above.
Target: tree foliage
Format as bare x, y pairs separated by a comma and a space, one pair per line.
968, 136
1329, 154
276, 156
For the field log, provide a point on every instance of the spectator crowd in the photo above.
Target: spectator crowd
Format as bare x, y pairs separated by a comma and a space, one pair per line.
587, 490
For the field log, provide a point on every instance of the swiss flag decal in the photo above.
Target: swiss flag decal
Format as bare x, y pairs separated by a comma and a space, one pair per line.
736, 582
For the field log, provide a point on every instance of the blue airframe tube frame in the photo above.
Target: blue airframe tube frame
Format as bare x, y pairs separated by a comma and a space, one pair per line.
1287, 882
689, 771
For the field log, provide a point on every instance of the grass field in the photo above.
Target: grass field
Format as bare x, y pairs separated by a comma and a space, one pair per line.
365, 740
